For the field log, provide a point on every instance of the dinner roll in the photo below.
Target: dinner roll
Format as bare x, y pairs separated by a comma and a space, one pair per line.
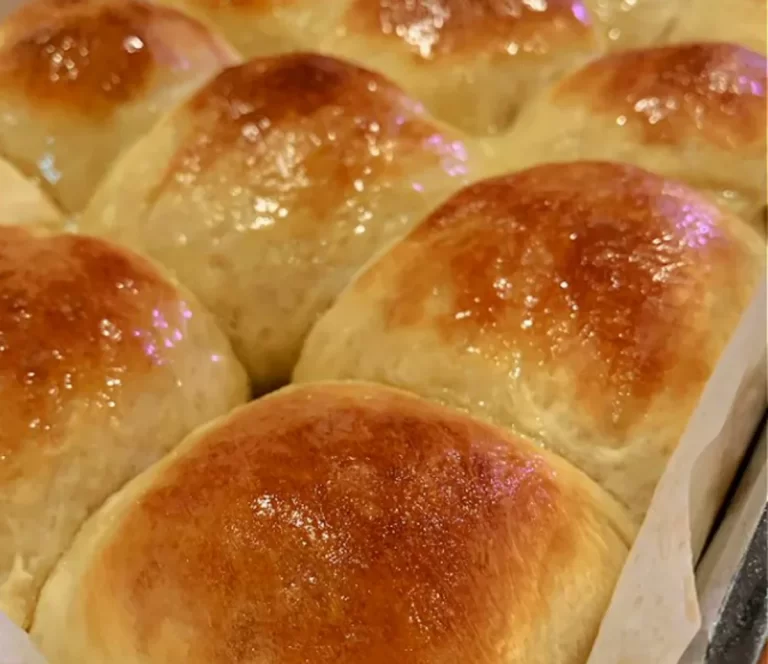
341, 524
695, 112
258, 28
23, 203
104, 366
738, 21
473, 62
269, 189
582, 305
82, 79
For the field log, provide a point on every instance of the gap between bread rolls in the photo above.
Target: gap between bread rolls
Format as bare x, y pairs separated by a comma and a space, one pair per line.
583, 305
272, 185
81, 80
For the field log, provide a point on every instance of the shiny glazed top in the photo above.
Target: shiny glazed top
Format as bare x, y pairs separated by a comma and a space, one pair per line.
715, 92
319, 133
80, 320
440, 28
91, 56
589, 267
245, 4
339, 524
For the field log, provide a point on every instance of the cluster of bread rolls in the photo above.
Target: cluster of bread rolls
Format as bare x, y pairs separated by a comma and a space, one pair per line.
497, 247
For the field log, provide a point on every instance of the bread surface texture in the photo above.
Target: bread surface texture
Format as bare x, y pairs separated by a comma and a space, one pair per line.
582, 305
80, 80
736, 21
268, 190
694, 112
105, 365
341, 523
474, 64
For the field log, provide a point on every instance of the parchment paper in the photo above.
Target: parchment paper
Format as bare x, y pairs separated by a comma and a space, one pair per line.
15, 647
654, 613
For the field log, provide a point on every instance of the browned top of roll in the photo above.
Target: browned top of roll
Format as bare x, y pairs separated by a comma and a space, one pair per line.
304, 118
344, 523
565, 256
90, 56
458, 27
79, 318
714, 91
259, 5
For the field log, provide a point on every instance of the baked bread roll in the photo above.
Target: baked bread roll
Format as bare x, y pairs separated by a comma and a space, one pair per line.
738, 21
23, 203
272, 186
473, 62
695, 112
104, 366
82, 79
582, 305
340, 524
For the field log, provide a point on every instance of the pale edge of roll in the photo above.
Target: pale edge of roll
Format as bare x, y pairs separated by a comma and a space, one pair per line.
654, 613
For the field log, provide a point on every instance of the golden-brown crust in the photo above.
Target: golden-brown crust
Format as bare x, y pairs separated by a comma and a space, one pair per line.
446, 27
343, 523
348, 125
713, 91
90, 56
78, 319
248, 5
564, 256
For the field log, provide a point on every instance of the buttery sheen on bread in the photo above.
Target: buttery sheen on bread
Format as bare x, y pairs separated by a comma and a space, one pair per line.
694, 112
104, 366
268, 189
341, 524
582, 305
474, 63
81, 80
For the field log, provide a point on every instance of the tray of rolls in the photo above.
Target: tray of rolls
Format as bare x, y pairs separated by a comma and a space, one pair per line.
372, 331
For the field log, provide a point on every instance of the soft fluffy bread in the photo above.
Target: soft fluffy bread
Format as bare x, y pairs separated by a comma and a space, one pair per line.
259, 28
695, 112
473, 63
341, 523
737, 21
104, 366
582, 305
272, 186
81, 79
